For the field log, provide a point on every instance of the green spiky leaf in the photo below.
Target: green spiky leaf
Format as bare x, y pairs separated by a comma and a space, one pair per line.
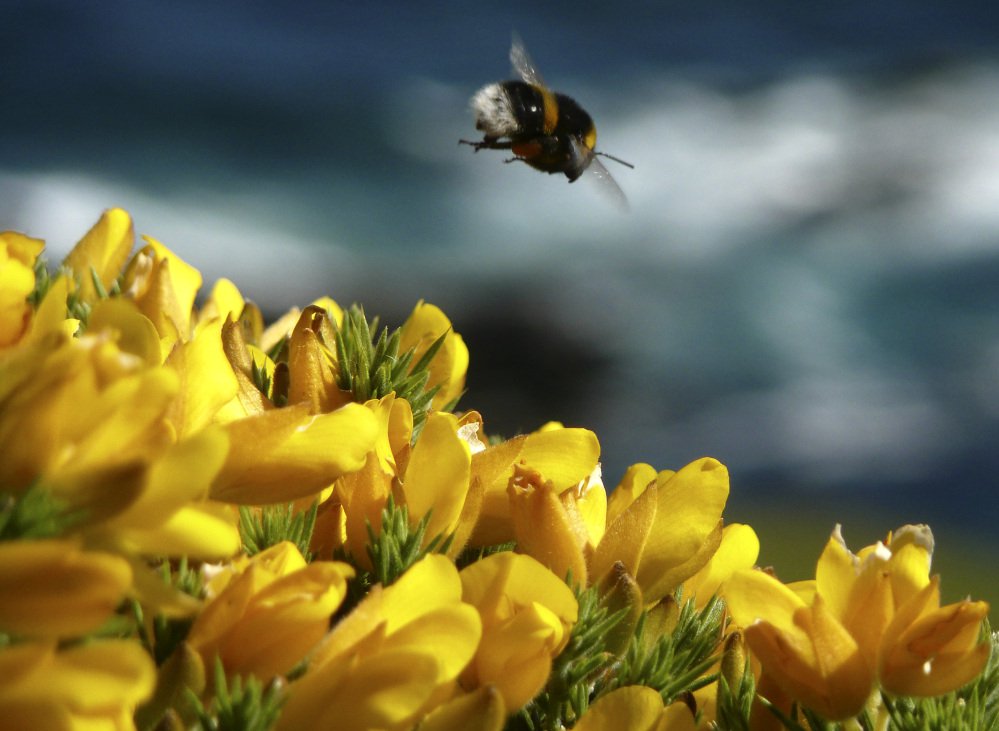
399, 545
239, 705
371, 368
677, 662
270, 525
35, 514
576, 670
169, 632
391, 551
43, 281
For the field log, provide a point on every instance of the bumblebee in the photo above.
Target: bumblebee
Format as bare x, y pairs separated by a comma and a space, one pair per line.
548, 131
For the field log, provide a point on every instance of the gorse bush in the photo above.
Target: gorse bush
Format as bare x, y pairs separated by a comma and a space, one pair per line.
208, 521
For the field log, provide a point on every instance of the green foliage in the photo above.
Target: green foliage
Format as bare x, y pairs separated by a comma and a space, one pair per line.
398, 545
576, 670
35, 514
241, 706
371, 369
262, 380
43, 281
472, 554
167, 632
272, 524
80, 310
676, 662
734, 702
392, 551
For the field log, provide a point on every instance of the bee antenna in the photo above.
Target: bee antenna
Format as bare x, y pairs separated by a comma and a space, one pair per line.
615, 159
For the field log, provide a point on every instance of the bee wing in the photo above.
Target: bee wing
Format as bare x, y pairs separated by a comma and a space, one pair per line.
523, 65
594, 170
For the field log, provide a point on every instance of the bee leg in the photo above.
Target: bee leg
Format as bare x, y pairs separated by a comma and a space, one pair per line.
514, 159
487, 143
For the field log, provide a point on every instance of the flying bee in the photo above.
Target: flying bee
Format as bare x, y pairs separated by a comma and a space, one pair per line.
547, 130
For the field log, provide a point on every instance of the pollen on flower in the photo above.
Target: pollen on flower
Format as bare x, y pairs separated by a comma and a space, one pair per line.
208, 572
882, 552
594, 479
305, 425
469, 433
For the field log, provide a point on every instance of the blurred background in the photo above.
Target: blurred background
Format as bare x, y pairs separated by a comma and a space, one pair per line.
806, 287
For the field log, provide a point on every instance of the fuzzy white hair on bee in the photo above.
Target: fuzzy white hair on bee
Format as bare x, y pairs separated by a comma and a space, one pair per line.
494, 113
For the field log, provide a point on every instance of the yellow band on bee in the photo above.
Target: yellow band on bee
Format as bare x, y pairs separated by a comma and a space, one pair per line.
551, 109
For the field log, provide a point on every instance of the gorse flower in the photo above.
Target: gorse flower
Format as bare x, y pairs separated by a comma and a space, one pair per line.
739, 548
55, 588
265, 613
17, 280
212, 521
636, 707
527, 614
93, 685
666, 530
870, 618
393, 659
431, 478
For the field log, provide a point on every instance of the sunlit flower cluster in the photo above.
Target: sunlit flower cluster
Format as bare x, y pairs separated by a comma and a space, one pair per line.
206, 518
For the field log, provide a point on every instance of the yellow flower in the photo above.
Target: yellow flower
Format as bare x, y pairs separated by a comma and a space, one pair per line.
930, 650
54, 588
549, 526
887, 599
480, 710
224, 301
270, 612
432, 478
17, 280
393, 659
49, 320
312, 365
564, 457
739, 549
665, 531
118, 319
80, 414
87, 686
101, 253
527, 616
163, 287
448, 368
207, 383
803, 647
88, 424
636, 708
874, 616
436, 479
266, 338
172, 515
284, 454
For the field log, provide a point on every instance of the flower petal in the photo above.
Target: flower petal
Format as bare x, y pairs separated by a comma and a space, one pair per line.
480, 710
103, 250
437, 475
53, 588
690, 507
633, 707
284, 454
